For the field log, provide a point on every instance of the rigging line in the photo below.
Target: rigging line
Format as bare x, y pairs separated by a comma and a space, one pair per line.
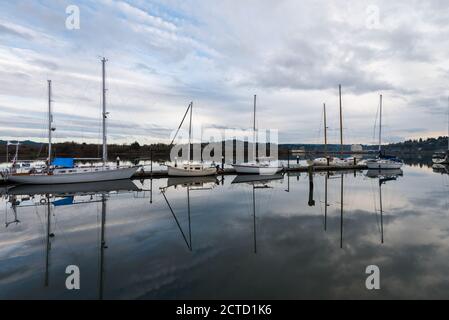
182, 121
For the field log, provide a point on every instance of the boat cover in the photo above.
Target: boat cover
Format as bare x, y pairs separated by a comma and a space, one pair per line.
63, 162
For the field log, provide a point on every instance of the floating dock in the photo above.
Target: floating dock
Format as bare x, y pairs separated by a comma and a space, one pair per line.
230, 171
159, 174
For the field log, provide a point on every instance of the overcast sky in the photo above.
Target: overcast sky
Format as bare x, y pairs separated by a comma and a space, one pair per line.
164, 54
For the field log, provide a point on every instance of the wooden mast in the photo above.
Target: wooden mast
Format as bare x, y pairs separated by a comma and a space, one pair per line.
254, 131
105, 114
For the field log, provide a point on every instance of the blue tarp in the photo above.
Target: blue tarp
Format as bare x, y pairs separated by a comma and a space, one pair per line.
63, 162
63, 202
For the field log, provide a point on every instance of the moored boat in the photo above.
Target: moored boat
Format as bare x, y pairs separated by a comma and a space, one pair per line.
189, 168
383, 161
258, 165
62, 170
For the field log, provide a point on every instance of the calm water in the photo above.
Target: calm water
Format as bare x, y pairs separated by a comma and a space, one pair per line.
248, 240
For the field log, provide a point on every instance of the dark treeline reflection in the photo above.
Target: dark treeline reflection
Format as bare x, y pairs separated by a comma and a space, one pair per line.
251, 237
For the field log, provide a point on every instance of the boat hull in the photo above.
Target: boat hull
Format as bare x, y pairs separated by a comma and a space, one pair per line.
82, 177
254, 169
180, 172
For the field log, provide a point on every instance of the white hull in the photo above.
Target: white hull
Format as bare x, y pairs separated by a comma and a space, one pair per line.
191, 172
383, 164
257, 169
334, 162
82, 177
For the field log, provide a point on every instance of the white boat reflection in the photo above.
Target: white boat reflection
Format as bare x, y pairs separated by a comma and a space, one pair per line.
74, 189
392, 173
205, 181
257, 179
440, 168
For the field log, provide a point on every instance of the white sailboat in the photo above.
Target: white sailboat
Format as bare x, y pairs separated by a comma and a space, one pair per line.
382, 161
189, 168
72, 174
334, 161
265, 167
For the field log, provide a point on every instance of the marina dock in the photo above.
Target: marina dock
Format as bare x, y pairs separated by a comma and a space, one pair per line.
230, 171
160, 174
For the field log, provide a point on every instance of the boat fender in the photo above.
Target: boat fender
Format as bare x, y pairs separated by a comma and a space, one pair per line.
43, 201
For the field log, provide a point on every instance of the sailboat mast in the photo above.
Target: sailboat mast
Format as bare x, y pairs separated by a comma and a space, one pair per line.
341, 121
190, 130
50, 120
325, 130
105, 145
254, 130
380, 125
448, 123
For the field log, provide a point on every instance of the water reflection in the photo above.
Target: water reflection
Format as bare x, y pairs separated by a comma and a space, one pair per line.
52, 196
188, 183
256, 182
308, 235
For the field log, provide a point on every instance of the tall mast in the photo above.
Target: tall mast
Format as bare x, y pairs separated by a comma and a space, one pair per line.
50, 120
325, 129
448, 124
380, 125
341, 120
105, 114
254, 130
190, 130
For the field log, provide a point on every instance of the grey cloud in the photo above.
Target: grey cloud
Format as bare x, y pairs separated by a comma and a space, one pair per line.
11, 32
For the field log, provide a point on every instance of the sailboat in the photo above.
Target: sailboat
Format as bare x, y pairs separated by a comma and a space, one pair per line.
334, 161
256, 166
189, 168
62, 170
383, 161
326, 160
442, 158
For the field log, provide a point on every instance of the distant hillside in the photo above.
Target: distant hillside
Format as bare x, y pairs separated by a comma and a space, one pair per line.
35, 150
419, 145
